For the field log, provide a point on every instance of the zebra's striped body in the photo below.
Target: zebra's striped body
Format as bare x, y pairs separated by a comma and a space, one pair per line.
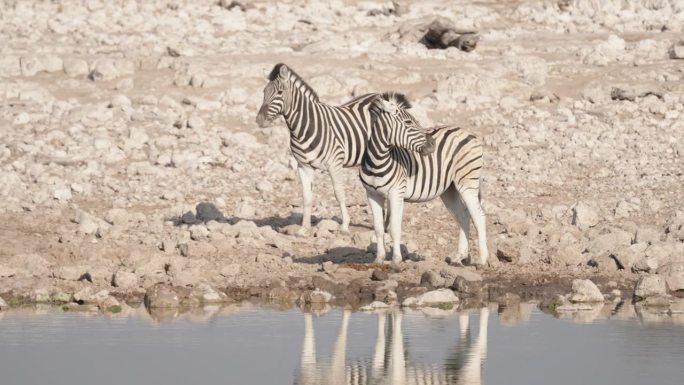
322, 136
406, 163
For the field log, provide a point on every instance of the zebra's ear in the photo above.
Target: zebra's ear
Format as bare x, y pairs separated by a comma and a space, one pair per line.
284, 72
388, 106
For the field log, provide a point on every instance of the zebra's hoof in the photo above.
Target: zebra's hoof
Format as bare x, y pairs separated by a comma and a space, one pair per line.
394, 266
454, 261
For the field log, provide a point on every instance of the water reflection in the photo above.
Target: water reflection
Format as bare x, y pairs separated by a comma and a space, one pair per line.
391, 363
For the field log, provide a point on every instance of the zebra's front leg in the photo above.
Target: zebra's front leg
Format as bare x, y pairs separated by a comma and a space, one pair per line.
306, 178
338, 186
396, 209
376, 203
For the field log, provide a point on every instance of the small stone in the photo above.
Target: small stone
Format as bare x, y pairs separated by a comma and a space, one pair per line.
161, 296
40, 295
196, 122
264, 186
62, 297
375, 305
432, 280
124, 279
674, 275
198, 232
75, 67
379, 275
3, 304
245, 210
84, 295
435, 297
584, 290
649, 286
584, 215
62, 194
230, 270
120, 100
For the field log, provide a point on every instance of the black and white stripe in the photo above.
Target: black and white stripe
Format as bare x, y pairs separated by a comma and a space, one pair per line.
403, 162
322, 136
391, 362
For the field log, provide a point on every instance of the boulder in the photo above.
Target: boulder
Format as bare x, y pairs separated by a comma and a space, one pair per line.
585, 215
436, 297
649, 286
628, 256
124, 279
433, 280
379, 275
673, 273
584, 290
161, 296
40, 295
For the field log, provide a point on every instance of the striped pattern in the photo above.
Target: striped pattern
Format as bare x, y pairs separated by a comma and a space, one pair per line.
403, 162
322, 136
391, 364
457, 160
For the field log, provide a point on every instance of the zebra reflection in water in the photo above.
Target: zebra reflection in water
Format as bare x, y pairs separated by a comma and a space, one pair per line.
390, 364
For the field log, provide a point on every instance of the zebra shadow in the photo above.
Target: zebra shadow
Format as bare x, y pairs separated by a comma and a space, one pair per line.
339, 255
354, 255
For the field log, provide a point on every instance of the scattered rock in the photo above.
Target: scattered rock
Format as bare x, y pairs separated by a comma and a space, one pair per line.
441, 33
649, 286
583, 290
161, 296
124, 279
434, 297
584, 215
379, 275
673, 273
432, 280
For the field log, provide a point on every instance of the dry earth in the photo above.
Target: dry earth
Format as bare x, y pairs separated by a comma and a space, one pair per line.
119, 117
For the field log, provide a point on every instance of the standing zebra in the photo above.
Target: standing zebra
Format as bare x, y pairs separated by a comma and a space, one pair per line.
322, 136
404, 163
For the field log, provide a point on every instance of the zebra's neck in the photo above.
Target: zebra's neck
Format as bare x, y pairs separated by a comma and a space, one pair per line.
300, 116
379, 150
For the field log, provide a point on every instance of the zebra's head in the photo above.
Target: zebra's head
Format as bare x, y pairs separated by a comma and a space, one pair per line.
398, 126
276, 95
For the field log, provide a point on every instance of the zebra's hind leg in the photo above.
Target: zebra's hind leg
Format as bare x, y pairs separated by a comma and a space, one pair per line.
338, 186
452, 201
376, 203
472, 201
306, 178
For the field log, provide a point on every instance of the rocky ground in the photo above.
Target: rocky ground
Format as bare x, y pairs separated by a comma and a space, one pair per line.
131, 167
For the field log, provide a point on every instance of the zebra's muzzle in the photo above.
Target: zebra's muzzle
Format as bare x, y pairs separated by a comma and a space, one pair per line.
262, 120
429, 146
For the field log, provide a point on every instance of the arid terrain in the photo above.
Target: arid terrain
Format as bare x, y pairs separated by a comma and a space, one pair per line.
117, 118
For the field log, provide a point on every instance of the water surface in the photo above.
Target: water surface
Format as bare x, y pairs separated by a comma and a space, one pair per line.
251, 345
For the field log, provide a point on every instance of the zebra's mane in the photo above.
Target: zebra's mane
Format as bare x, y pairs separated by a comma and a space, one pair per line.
297, 80
400, 100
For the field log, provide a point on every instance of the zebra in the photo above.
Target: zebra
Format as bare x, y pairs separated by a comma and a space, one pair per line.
322, 136
403, 162
390, 364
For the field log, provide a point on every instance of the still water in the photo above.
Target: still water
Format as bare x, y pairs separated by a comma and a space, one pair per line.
252, 345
